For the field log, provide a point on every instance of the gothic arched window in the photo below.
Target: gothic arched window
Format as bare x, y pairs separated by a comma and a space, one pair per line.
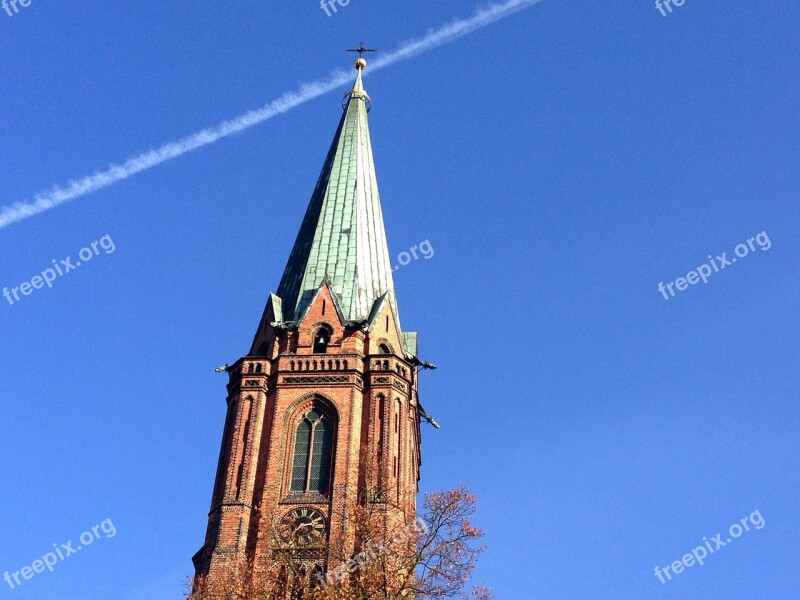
313, 450
321, 341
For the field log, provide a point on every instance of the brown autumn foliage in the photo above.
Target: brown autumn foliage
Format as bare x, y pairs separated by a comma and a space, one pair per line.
428, 557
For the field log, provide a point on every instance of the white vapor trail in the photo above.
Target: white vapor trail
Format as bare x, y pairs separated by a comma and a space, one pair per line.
76, 188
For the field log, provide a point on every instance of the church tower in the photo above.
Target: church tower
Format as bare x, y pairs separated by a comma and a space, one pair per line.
323, 412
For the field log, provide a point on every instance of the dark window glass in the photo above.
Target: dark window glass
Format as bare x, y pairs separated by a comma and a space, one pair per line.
313, 450
321, 457
301, 450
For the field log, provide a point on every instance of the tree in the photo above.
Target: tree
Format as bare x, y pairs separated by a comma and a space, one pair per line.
397, 556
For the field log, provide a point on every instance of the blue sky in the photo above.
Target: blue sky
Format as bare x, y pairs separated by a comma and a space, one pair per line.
561, 163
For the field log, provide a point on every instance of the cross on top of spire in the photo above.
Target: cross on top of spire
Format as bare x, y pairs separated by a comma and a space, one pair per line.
361, 62
361, 49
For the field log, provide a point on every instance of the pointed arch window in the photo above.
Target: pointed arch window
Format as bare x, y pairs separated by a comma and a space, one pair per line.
321, 341
313, 450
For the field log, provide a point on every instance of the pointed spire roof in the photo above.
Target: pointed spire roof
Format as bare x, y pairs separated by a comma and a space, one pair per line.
342, 236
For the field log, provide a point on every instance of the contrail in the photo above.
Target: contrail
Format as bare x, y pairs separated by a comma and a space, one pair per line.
76, 188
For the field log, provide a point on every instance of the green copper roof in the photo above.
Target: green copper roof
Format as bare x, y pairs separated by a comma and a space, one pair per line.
342, 235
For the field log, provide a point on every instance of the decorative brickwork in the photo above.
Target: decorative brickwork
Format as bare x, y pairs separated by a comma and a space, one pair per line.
376, 439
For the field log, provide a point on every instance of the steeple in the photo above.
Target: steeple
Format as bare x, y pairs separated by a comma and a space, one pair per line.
342, 236
323, 413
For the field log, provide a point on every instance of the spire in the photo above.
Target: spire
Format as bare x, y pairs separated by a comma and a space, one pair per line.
342, 236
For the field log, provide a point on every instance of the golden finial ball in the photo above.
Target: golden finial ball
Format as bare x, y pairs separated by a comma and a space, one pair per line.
361, 63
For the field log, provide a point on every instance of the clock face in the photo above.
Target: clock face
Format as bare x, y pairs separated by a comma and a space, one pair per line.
305, 526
